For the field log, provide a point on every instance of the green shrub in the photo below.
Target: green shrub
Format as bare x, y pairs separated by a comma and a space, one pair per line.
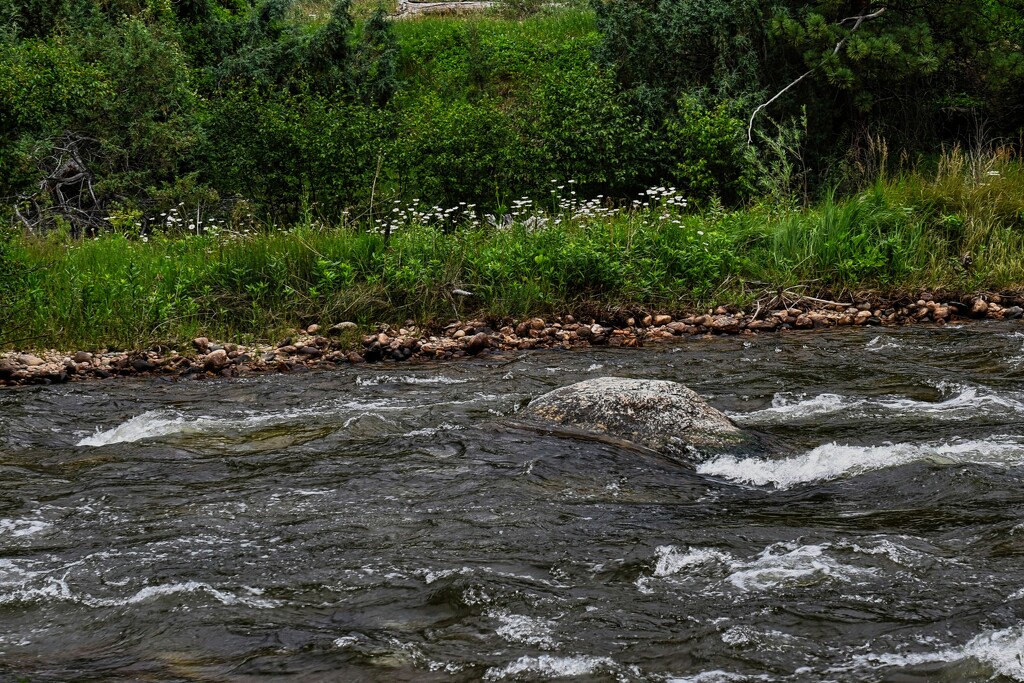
708, 147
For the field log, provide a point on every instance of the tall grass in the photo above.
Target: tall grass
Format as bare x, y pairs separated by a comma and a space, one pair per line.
960, 228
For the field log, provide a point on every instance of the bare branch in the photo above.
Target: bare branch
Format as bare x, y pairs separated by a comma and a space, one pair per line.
839, 46
28, 226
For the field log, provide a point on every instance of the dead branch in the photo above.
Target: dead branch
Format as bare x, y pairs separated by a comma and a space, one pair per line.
839, 46
65, 192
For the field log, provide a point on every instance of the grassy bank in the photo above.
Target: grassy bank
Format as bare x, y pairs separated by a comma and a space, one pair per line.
957, 228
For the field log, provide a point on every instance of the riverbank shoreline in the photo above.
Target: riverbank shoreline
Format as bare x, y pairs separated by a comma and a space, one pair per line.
345, 344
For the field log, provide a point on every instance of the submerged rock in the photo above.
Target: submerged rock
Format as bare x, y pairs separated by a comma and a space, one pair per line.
660, 415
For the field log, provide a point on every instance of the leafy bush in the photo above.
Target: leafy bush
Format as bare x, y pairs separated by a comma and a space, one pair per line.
708, 146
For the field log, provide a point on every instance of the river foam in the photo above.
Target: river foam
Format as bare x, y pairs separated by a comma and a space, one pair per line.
832, 460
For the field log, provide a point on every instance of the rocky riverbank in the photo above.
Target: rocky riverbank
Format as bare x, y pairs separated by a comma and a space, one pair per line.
343, 344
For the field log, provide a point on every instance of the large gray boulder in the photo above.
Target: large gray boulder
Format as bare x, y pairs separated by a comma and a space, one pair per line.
660, 415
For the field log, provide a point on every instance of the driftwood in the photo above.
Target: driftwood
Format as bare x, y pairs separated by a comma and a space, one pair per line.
408, 9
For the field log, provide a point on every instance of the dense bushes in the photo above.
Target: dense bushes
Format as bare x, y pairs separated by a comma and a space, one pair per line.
314, 113
914, 73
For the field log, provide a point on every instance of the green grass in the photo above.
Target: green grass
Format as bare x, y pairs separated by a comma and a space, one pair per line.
955, 230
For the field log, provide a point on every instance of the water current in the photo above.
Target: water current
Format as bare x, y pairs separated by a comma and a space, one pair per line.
392, 523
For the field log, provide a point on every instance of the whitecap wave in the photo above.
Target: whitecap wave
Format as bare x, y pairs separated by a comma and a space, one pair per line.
716, 676
671, 560
787, 407
961, 403
152, 423
57, 589
520, 628
999, 650
786, 564
433, 431
22, 527
377, 380
833, 460
778, 565
160, 423
547, 667
429, 576
881, 343
249, 598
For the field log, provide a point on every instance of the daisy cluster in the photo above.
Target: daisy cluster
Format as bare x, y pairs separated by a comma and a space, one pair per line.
564, 206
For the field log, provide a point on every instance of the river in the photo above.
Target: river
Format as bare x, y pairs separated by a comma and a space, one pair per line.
391, 523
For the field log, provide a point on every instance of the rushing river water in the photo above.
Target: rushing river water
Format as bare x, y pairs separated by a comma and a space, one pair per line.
391, 523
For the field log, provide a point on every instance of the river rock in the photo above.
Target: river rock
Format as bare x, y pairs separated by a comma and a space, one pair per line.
768, 324
725, 324
342, 327
310, 352
215, 360
142, 365
661, 415
478, 342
